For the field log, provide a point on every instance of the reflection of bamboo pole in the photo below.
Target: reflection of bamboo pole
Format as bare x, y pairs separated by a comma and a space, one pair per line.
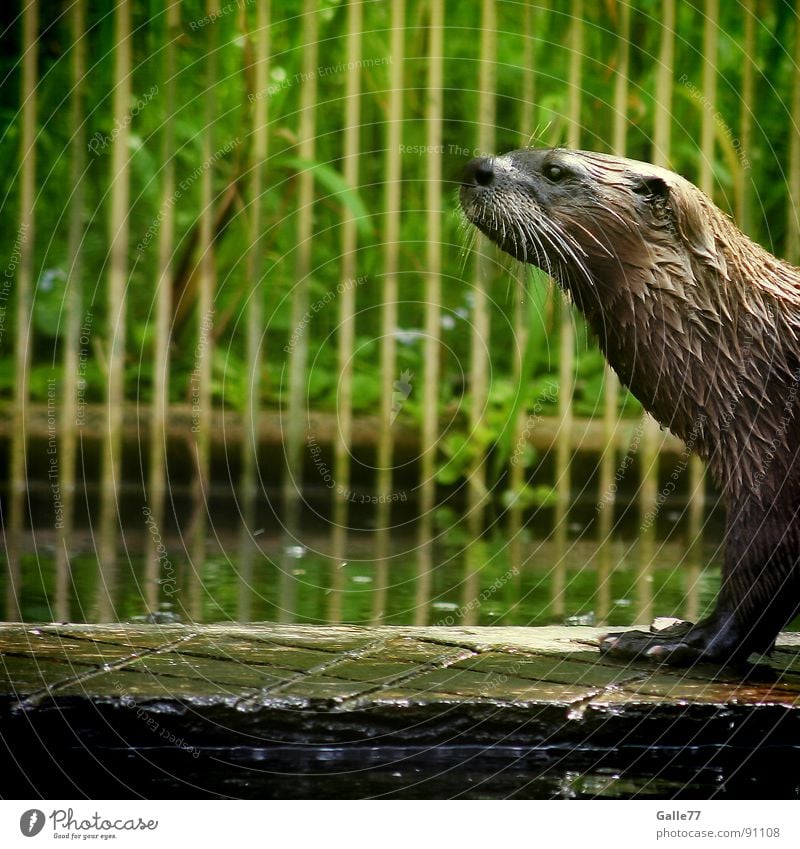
744, 190
255, 322
22, 349
479, 359
200, 380
567, 344
336, 575
74, 301
298, 358
792, 225
425, 566
475, 557
608, 461
380, 587
156, 490
117, 279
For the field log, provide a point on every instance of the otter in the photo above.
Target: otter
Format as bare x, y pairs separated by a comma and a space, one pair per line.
703, 326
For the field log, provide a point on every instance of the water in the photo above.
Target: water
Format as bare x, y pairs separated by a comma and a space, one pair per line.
403, 578
323, 579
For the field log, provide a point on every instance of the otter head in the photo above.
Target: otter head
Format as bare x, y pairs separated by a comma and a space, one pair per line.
603, 227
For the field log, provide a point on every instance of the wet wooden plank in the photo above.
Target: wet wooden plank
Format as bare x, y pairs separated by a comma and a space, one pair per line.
312, 681
24, 675
232, 673
127, 688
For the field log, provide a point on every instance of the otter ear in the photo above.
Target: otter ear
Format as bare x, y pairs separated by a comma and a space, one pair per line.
652, 188
685, 206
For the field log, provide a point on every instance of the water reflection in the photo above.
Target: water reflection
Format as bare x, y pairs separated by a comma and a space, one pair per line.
370, 577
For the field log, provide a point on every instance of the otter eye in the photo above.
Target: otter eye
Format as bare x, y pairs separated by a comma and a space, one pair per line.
554, 173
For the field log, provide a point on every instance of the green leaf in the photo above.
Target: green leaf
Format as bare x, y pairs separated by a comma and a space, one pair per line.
538, 292
335, 183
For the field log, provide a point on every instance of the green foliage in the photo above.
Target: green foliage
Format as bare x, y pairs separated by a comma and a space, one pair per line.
330, 179
276, 266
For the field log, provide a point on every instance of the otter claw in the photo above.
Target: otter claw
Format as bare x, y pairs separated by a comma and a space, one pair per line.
679, 653
664, 646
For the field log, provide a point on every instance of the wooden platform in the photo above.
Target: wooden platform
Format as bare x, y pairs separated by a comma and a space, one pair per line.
267, 700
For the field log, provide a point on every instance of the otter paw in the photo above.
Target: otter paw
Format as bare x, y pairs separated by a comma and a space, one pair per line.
667, 645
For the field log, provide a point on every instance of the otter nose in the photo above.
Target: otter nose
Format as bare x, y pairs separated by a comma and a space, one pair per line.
479, 172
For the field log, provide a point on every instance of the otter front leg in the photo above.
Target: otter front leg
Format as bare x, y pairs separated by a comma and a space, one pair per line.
760, 595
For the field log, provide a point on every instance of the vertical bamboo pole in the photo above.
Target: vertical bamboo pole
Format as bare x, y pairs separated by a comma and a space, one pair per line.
662, 123
528, 73
744, 191
392, 207
298, 358
255, 320
74, 302
517, 471
651, 432
117, 280
433, 309
792, 224
621, 81
479, 364
481, 327
608, 462
201, 375
24, 335
156, 490
347, 308
710, 38
566, 366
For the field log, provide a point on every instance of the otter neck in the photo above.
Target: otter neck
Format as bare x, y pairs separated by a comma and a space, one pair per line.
699, 344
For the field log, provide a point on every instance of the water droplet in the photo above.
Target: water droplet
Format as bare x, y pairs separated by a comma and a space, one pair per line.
581, 619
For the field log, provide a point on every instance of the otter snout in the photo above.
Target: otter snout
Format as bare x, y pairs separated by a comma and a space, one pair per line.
478, 172
479, 177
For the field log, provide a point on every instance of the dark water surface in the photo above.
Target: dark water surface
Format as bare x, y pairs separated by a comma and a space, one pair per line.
368, 578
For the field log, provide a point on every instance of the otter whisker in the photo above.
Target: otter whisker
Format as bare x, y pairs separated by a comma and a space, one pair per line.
593, 238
